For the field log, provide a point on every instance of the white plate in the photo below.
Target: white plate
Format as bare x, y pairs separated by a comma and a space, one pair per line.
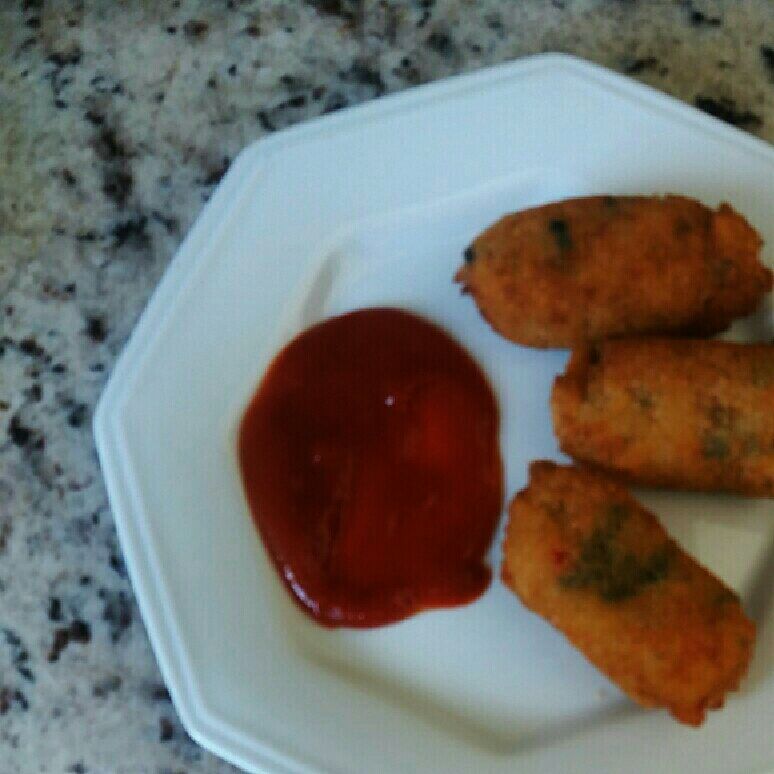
374, 206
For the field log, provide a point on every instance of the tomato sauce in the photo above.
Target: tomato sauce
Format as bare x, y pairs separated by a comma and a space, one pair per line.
370, 459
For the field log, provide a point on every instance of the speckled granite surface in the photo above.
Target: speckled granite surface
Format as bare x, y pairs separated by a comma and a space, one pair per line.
116, 122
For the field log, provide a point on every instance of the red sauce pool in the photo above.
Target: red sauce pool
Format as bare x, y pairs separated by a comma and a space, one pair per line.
371, 463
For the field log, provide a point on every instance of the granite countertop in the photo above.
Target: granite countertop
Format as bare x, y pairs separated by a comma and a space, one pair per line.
116, 123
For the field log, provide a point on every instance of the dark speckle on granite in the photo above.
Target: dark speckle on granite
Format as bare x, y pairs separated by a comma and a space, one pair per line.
154, 100
34, 392
767, 54
117, 178
132, 232
94, 118
109, 685
364, 73
426, 12
215, 172
78, 631
166, 730
62, 59
265, 121
344, 9
118, 183
19, 655
77, 415
335, 101
29, 346
160, 693
117, 564
96, 329
117, 612
6, 529
726, 110
698, 18
171, 224
440, 42
12, 699
18, 433
55, 609
494, 21
196, 29
640, 65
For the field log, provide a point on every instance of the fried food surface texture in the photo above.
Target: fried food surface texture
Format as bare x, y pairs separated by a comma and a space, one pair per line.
683, 414
582, 553
591, 268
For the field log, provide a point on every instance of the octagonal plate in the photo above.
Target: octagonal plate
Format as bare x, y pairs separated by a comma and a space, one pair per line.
373, 206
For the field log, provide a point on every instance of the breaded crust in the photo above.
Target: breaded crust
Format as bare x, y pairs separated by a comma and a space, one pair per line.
591, 268
682, 414
582, 553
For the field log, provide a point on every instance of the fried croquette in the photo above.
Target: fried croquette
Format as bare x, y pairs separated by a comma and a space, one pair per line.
591, 268
582, 553
674, 413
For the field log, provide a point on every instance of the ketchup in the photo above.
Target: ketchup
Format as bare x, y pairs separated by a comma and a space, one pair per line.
370, 460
